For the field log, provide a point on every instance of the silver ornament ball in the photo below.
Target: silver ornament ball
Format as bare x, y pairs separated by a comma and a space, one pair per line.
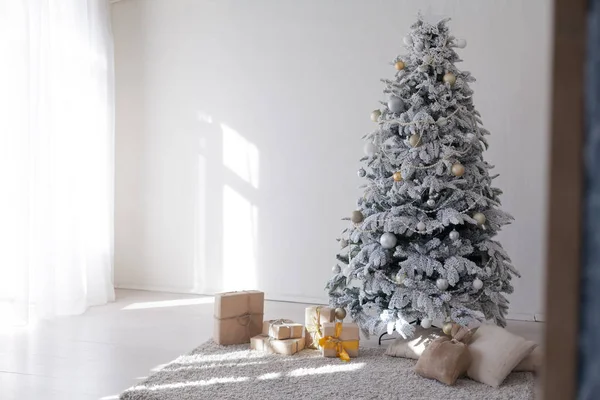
340, 313
421, 226
395, 104
441, 284
407, 40
454, 235
427, 58
357, 216
361, 173
369, 149
431, 202
441, 121
388, 240
375, 115
477, 284
460, 43
426, 323
336, 269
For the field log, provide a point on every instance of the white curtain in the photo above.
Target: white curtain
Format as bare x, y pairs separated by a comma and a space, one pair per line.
56, 157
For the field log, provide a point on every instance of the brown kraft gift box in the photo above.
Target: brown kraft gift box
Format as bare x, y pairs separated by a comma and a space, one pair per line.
350, 332
283, 329
313, 330
275, 346
238, 316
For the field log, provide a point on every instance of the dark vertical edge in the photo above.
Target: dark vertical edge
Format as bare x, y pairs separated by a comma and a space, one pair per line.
559, 378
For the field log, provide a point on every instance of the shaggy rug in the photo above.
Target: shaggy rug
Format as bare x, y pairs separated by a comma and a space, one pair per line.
235, 372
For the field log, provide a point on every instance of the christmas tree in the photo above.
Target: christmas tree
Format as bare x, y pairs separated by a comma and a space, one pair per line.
420, 246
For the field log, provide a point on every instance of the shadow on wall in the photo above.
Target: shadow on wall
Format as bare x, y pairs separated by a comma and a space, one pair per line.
228, 207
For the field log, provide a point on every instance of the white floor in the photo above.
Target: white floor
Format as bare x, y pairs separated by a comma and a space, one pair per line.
109, 348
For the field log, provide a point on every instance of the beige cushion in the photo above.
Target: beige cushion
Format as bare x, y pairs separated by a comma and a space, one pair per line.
445, 360
495, 352
532, 363
413, 347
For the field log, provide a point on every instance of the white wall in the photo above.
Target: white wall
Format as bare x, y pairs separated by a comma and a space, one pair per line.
239, 126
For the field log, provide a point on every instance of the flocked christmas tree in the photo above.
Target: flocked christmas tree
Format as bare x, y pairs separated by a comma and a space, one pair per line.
420, 246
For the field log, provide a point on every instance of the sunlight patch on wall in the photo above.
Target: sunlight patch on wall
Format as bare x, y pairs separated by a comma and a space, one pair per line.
240, 155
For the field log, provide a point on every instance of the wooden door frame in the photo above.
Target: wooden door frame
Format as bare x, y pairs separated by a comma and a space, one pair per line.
566, 187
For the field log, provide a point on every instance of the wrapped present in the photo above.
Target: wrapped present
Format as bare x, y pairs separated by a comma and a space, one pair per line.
314, 317
238, 316
275, 346
283, 329
340, 340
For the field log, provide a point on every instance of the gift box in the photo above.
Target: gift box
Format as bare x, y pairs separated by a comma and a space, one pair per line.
340, 340
283, 329
275, 346
314, 317
238, 316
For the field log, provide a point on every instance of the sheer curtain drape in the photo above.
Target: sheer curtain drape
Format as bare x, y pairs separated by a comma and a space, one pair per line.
56, 157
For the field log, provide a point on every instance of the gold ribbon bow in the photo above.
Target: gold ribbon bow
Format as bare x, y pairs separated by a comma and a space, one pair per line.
340, 346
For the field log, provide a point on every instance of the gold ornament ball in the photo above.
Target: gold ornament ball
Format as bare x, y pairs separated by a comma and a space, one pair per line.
479, 218
458, 169
399, 65
450, 78
375, 115
400, 278
356, 217
447, 328
415, 140
340, 313
397, 176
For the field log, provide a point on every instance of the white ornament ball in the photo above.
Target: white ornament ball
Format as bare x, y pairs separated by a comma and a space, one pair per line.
442, 121
426, 323
336, 269
388, 240
441, 284
361, 173
407, 40
421, 226
479, 218
460, 43
418, 46
427, 58
395, 104
454, 235
477, 284
431, 202
369, 149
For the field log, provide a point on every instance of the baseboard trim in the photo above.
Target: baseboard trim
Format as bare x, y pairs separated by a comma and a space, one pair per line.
535, 317
155, 288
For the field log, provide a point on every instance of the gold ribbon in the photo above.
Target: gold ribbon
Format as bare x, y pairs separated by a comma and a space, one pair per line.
340, 346
315, 329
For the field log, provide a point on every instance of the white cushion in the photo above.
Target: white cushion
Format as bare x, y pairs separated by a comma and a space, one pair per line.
495, 352
413, 347
531, 363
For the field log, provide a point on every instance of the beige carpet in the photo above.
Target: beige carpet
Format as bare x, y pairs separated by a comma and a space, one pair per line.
234, 372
